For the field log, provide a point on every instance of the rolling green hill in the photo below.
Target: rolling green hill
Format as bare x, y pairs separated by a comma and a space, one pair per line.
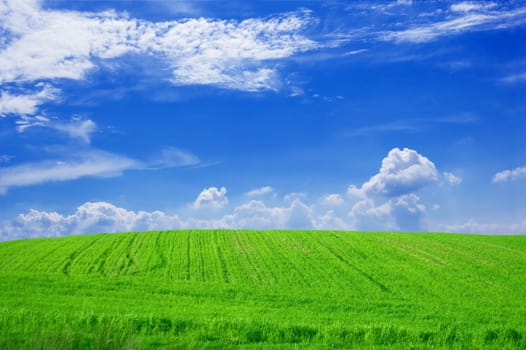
255, 289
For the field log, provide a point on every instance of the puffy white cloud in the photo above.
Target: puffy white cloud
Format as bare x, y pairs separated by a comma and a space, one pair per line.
452, 178
402, 213
355, 192
510, 175
331, 221
260, 191
402, 172
211, 197
256, 215
90, 217
333, 200
474, 226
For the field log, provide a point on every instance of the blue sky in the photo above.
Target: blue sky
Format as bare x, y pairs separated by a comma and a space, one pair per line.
363, 115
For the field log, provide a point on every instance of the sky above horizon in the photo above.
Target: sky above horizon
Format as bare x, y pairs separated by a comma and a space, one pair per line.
363, 115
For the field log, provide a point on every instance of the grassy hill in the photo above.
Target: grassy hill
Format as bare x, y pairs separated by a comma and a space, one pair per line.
254, 289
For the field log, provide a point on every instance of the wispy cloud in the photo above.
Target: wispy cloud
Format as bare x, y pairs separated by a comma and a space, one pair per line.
510, 175
468, 20
77, 127
26, 102
414, 125
88, 163
94, 163
468, 6
231, 54
514, 78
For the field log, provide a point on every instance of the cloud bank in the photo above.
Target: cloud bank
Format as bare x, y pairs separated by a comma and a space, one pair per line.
387, 201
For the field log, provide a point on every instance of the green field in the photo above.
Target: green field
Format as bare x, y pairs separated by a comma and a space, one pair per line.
255, 289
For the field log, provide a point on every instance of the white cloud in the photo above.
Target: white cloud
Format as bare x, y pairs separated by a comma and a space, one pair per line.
26, 103
401, 213
331, 221
467, 21
452, 178
174, 157
473, 226
402, 171
90, 217
290, 197
355, 192
510, 175
78, 128
67, 44
89, 163
94, 163
211, 197
404, 2
468, 6
333, 200
256, 215
260, 191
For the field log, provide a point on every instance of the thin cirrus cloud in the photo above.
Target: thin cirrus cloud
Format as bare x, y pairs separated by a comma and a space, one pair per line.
77, 128
91, 163
470, 17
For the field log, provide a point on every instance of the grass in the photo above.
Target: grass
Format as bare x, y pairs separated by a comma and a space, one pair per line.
254, 289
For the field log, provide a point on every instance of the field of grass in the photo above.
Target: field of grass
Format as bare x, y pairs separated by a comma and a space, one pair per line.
253, 289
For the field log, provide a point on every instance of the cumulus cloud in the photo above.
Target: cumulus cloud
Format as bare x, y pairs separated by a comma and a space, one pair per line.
90, 217
474, 226
211, 197
452, 178
400, 213
402, 171
510, 175
256, 215
333, 199
265, 190
98, 217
